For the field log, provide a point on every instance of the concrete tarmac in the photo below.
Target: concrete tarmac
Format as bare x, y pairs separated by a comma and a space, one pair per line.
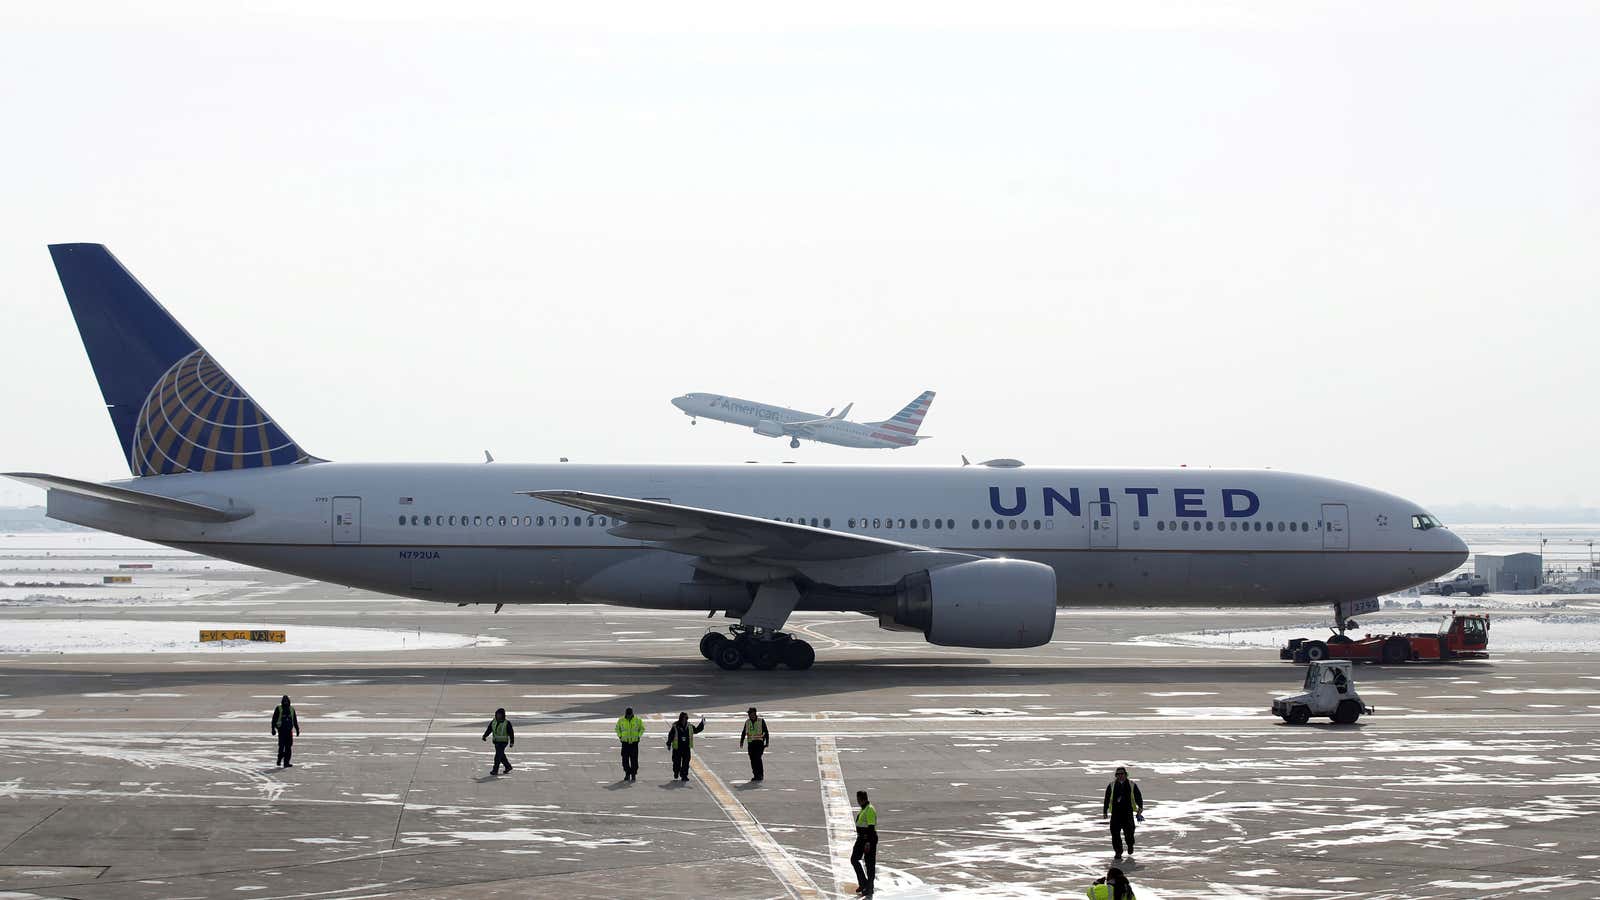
133, 775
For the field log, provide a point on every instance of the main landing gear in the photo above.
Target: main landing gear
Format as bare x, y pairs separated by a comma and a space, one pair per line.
763, 650
794, 443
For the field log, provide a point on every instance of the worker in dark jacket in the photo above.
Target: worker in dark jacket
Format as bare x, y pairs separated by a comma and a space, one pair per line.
504, 736
680, 740
286, 725
866, 846
1123, 805
755, 736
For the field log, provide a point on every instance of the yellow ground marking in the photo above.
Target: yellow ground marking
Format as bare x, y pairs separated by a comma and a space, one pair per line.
789, 874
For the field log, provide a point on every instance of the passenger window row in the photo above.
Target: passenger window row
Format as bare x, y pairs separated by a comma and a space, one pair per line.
802, 520
505, 521
909, 523
1012, 524
1232, 526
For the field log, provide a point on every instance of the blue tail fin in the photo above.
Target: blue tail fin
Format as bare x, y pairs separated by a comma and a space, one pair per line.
174, 408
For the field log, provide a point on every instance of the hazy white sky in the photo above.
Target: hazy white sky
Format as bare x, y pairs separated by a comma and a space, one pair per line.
1353, 240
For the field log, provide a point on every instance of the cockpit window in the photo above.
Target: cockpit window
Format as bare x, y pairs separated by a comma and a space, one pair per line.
1423, 522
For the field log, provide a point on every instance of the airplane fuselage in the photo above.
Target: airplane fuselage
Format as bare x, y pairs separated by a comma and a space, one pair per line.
462, 533
780, 421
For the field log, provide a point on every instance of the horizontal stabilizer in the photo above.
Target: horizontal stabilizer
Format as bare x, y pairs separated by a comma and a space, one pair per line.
150, 503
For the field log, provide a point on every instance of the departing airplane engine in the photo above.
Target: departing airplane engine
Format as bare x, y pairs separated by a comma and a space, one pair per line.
991, 603
769, 428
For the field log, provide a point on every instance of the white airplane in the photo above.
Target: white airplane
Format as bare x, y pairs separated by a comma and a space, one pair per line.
970, 556
779, 421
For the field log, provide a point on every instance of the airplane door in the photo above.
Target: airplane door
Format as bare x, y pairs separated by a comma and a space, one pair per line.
1102, 524
1335, 526
347, 520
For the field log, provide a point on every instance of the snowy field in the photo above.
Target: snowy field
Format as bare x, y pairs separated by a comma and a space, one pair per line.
125, 636
1554, 632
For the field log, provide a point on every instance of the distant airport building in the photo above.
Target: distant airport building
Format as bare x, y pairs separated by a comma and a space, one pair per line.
1516, 572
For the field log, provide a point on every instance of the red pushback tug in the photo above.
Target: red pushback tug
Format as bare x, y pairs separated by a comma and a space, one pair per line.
1459, 637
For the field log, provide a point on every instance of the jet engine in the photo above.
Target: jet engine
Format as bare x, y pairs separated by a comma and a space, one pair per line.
769, 428
991, 603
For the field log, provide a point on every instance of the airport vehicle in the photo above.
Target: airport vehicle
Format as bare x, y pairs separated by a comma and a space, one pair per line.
779, 421
1459, 637
1329, 690
1465, 583
968, 556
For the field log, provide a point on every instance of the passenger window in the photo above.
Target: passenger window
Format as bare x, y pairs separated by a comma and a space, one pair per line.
875, 523
1292, 527
477, 521
1135, 524
974, 524
913, 525
413, 520
1012, 525
1161, 525
827, 523
850, 523
427, 520
936, 523
563, 521
1208, 525
602, 521
1305, 526
902, 524
987, 524
402, 520
1185, 526
1258, 526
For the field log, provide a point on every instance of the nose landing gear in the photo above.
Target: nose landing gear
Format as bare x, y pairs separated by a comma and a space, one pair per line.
762, 649
794, 443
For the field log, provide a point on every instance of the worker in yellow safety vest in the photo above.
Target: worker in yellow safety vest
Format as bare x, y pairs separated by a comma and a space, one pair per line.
866, 847
1114, 886
286, 725
504, 736
630, 728
755, 737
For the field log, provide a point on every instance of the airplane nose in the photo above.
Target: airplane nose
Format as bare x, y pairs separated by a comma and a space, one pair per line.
1459, 546
681, 402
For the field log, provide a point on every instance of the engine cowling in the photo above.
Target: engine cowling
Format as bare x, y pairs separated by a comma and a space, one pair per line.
990, 603
769, 428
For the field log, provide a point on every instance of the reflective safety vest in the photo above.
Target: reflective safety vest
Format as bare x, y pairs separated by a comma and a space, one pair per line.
756, 730
675, 733
630, 730
501, 729
868, 816
1102, 891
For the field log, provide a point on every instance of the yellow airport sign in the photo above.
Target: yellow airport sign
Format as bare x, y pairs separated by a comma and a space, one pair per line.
276, 637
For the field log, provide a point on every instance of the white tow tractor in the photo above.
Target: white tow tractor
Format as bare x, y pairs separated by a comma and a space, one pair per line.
1330, 690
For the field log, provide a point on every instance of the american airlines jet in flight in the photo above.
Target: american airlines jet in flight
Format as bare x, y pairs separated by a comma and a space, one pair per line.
779, 421
969, 556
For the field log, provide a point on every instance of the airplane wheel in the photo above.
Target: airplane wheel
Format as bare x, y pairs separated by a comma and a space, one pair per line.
728, 656
1396, 651
1347, 713
1315, 650
709, 643
799, 655
794, 444
1298, 715
764, 655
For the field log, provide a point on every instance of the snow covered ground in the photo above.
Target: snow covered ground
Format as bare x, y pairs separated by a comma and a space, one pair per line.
1555, 632
125, 636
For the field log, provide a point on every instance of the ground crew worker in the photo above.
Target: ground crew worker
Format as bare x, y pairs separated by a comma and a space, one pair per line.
1114, 886
866, 845
680, 740
1123, 804
504, 736
630, 728
286, 725
755, 736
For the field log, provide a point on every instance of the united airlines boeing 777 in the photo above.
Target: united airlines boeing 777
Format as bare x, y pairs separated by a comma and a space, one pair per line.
974, 556
779, 421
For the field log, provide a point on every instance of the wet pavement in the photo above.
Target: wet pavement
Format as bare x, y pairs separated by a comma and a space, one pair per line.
151, 774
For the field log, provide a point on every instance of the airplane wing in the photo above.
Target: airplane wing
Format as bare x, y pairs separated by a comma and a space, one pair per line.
724, 535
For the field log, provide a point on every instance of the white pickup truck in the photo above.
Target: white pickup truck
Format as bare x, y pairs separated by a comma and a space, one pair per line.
1465, 583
